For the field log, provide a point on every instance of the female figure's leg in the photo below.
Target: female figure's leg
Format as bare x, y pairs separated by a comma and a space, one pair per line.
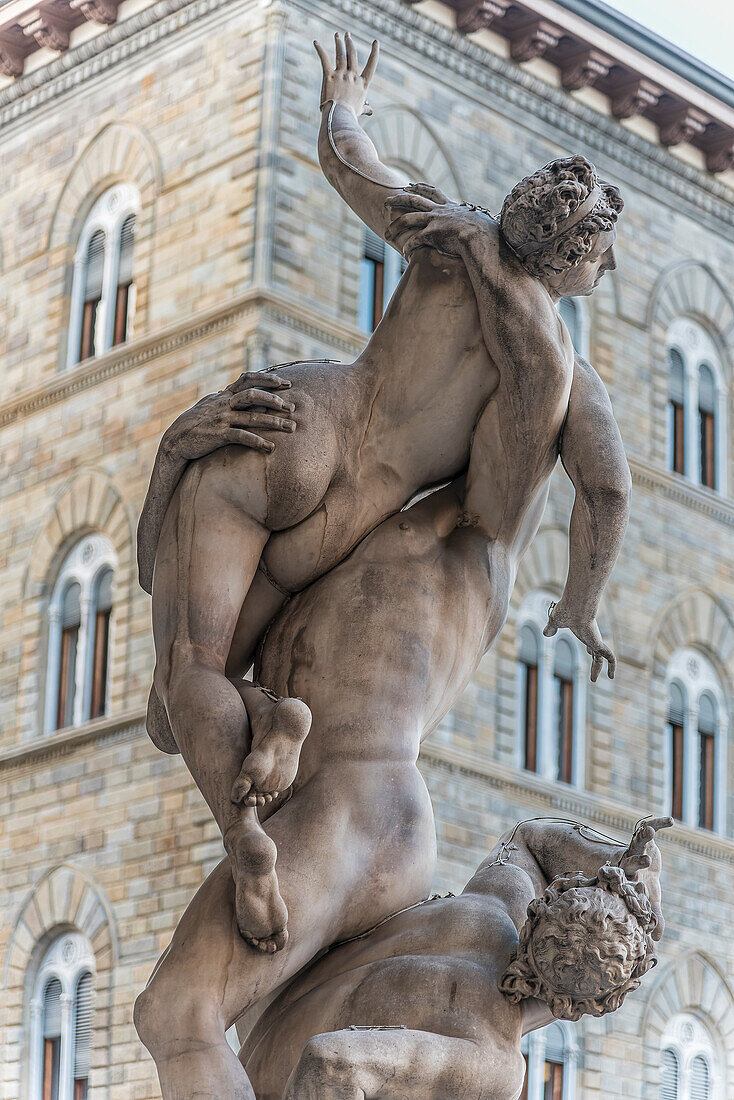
356, 844
207, 555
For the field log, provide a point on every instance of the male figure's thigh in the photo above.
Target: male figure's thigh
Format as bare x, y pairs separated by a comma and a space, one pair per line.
325, 868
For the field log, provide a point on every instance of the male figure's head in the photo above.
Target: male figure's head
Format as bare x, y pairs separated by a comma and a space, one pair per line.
560, 222
587, 942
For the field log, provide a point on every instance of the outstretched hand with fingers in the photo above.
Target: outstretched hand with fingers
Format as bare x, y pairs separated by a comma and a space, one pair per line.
588, 633
343, 82
641, 861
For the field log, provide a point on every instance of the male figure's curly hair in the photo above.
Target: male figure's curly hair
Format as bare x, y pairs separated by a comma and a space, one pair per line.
537, 209
586, 944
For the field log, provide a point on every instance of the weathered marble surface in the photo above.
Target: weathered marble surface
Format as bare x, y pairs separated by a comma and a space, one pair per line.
364, 621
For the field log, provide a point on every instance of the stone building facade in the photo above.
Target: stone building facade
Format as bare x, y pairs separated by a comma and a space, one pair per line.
198, 120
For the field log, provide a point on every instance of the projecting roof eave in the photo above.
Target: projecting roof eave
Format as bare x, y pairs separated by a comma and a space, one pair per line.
637, 71
645, 41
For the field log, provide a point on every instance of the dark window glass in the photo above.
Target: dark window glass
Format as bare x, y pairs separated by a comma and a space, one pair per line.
100, 648
124, 281
529, 696
676, 415
92, 294
70, 623
676, 719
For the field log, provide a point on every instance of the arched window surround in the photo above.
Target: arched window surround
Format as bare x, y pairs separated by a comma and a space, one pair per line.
696, 349
85, 564
557, 1039
696, 677
107, 216
66, 959
533, 613
688, 1038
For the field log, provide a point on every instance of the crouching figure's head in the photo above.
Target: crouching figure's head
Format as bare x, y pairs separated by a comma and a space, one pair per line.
587, 942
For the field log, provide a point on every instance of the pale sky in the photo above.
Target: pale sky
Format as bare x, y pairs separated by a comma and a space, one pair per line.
704, 28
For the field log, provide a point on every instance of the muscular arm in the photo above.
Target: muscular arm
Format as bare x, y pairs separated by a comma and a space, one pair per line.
515, 445
348, 158
353, 167
593, 456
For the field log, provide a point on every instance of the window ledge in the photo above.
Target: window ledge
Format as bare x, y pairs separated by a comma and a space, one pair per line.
113, 727
539, 794
141, 349
675, 487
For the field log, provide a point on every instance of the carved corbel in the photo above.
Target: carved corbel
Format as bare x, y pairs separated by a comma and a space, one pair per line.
534, 39
13, 51
720, 152
97, 11
473, 15
634, 97
681, 124
584, 68
50, 27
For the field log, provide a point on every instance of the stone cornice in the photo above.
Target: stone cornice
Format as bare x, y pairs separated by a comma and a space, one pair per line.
127, 727
677, 488
97, 55
524, 787
527, 96
589, 56
557, 798
531, 100
126, 357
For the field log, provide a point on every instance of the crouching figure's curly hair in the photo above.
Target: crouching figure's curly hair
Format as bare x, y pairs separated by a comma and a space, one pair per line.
550, 219
587, 942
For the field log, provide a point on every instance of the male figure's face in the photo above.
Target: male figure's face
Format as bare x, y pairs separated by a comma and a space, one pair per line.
583, 277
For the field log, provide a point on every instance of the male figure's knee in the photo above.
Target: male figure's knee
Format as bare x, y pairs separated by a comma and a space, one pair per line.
171, 1013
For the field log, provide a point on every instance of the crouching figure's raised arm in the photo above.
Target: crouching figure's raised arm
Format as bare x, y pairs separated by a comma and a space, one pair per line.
593, 456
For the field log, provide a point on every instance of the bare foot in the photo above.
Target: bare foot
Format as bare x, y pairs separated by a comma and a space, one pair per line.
261, 912
279, 728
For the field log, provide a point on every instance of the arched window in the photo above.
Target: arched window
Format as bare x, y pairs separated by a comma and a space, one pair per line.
103, 289
563, 691
707, 726
696, 741
551, 697
551, 1054
700, 1079
71, 617
697, 410
62, 1018
689, 1063
79, 635
379, 274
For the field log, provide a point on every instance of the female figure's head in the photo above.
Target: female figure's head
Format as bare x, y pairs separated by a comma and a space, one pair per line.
560, 222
